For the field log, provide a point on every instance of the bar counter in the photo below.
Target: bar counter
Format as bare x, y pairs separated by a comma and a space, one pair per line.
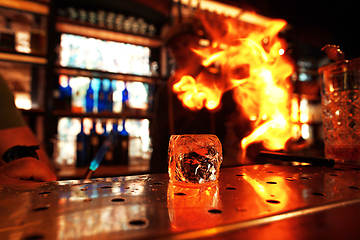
255, 201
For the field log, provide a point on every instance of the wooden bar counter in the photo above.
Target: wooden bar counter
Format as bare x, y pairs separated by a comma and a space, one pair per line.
256, 202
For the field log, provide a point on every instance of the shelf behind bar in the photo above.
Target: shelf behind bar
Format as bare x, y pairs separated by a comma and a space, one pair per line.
27, 6
17, 57
33, 111
64, 27
104, 75
137, 114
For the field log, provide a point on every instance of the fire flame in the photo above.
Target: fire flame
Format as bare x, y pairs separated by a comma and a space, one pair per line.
256, 68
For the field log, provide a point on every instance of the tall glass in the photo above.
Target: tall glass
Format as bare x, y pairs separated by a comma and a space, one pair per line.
340, 82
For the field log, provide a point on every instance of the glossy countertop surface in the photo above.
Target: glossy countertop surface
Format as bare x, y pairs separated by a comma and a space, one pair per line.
149, 207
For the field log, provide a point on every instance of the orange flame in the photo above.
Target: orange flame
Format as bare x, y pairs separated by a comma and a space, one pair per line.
256, 68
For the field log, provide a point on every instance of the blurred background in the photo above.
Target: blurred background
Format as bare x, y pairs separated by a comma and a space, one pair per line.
81, 70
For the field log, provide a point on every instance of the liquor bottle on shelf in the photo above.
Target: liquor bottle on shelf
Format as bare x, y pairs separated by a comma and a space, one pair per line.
89, 98
117, 96
82, 15
151, 30
7, 37
150, 98
125, 99
142, 26
96, 87
110, 17
121, 145
108, 158
124, 139
101, 98
109, 155
94, 141
36, 36
109, 96
128, 23
82, 148
65, 92
75, 95
72, 13
92, 18
101, 16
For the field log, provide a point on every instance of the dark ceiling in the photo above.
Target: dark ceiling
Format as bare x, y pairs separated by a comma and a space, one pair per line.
314, 22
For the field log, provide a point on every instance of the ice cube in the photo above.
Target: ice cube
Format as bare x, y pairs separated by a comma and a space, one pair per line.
194, 159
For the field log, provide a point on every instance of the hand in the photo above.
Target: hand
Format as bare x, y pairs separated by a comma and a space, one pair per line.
25, 170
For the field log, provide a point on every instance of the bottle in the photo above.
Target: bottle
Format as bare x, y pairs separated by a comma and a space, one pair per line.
101, 16
7, 37
76, 98
65, 92
113, 135
119, 22
96, 82
35, 39
124, 139
125, 99
89, 99
101, 99
94, 142
108, 159
109, 97
116, 97
121, 147
82, 148
110, 17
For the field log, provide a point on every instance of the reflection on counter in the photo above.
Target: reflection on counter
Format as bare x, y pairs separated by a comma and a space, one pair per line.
189, 206
248, 198
276, 192
105, 219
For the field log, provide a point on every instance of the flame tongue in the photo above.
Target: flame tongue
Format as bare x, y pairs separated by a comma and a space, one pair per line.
258, 77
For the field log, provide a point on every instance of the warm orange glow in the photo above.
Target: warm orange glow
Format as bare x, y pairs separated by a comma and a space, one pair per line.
304, 111
63, 81
255, 66
188, 206
294, 109
279, 191
195, 93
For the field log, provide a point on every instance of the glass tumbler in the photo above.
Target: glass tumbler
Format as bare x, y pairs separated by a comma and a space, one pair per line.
340, 82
